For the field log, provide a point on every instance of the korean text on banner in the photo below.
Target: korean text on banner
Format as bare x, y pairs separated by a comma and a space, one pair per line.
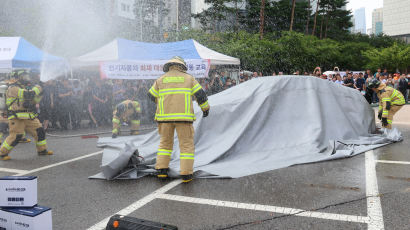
198, 68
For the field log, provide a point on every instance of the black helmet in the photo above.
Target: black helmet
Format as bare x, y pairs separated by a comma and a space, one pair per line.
121, 109
373, 84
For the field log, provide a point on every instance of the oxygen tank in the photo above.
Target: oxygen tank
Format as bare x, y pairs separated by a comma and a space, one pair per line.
3, 90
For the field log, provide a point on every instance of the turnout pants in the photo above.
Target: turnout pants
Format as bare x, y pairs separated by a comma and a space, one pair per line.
393, 110
185, 132
116, 125
16, 130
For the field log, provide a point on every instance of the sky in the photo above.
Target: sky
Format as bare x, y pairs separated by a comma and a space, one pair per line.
369, 6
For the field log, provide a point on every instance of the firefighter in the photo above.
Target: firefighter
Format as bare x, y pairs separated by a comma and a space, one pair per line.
126, 111
390, 101
173, 94
4, 122
22, 116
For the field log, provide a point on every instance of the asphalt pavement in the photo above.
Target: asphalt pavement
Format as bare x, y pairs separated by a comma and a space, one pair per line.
325, 195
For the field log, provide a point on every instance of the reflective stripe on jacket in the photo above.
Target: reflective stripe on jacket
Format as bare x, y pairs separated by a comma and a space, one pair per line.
388, 95
15, 102
174, 91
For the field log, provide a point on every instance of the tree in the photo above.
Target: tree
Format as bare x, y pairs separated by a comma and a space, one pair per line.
277, 17
315, 20
292, 15
335, 20
308, 17
262, 19
222, 15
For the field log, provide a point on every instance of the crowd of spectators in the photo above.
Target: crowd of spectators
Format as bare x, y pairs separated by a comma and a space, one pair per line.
355, 80
67, 103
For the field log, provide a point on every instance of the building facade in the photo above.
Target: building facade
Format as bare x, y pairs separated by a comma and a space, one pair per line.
360, 20
377, 21
396, 18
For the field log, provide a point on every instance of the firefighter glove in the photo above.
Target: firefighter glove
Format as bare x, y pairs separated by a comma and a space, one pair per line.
380, 114
384, 122
205, 113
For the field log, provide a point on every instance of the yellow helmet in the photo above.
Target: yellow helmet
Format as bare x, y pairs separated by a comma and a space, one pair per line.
179, 61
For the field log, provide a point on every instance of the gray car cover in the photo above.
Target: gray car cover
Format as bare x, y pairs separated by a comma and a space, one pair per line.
263, 124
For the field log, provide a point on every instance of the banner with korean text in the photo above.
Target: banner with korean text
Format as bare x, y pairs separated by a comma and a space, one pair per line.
198, 68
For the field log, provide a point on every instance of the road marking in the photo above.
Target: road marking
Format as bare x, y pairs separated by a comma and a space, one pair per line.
266, 208
394, 162
12, 170
58, 164
374, 207
138, 204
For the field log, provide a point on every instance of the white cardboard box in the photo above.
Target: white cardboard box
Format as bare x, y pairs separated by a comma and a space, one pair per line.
5, 221
35, 218
18, 191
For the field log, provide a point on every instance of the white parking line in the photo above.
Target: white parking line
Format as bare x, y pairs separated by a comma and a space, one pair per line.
57, 164
374, 207
12, 170
138, 204
394, 162
266, 208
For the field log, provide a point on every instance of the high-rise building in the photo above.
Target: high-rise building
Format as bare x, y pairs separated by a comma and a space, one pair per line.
396, 20
377, 21
360, 20
197, 7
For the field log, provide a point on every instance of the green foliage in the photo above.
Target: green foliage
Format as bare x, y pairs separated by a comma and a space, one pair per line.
277, 16
229, 15
378, 41
333, 21
291, 51
395, 57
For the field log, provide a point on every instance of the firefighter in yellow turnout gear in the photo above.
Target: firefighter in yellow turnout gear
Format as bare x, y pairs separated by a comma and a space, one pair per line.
4, 122
21, 100
390, 102
127, 111
173, 93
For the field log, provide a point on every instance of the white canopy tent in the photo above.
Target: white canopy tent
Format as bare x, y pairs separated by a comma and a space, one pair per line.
125, 59
122, 49
16, 52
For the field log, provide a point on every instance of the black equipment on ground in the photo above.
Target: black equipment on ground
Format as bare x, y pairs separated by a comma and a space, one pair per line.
118, 222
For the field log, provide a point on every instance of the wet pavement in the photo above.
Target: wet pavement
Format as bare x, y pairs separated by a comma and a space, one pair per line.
325, 195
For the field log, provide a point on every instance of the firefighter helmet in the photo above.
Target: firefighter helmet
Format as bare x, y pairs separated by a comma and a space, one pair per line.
179, 61
374, 84
121, 109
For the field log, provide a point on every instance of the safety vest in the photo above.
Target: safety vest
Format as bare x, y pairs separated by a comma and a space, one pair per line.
390, 95
174, 91
15, 102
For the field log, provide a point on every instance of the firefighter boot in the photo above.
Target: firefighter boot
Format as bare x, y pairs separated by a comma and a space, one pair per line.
45, 152
25, 140
134, 132
187, 178
5, 157
162, 173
